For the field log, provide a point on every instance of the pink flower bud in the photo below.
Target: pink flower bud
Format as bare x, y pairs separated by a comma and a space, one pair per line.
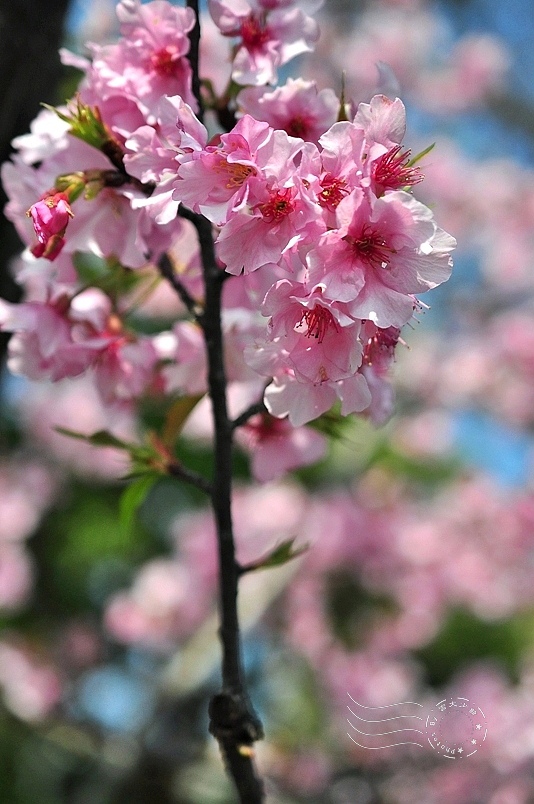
50, 217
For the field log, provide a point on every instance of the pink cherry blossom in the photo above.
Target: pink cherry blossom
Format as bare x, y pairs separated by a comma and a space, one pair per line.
383, 120
31, 685
64, 337
220, 174
166, 602
381, 406
393, 171
153, 153
276, 447
44, 346
77, 405
342, 167
277, 219
381, 254
26, 491
321, 341
380, 344
303, 402
475, 69
297, 107
148, 62
16, 576
106, 225
187, 373
125, 369
48, 135
269, 35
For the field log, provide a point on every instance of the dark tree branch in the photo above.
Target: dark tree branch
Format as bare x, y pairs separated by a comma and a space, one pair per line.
233, 721
226, 117
194, 55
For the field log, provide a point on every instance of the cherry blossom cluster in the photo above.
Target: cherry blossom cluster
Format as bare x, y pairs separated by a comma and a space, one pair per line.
323, 243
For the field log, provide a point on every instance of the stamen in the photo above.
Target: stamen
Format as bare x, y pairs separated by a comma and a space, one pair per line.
323, 375
237, 173
318, 321
166, 62
380, 348
371, 247
279, 205
263, 427
392, 170
334, 190
298, 126
254, 34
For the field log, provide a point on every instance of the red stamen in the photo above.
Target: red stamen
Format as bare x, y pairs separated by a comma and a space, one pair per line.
318, 321
334, 190
279, 205
392, 170
263, 427
166, 62
380, 348
371, 247
298, 126
254, 33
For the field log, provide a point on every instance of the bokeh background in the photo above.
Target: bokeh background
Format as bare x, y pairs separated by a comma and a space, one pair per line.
419, 581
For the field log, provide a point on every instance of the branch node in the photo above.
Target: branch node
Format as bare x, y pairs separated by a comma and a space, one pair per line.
232, 721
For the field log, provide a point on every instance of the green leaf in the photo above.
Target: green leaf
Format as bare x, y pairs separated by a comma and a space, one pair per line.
144, 457
424, 471
107, 274
331, 423
85, 122
281, 554
421, 155
102, 438
91, 269
465, 638
177, 416
133, 496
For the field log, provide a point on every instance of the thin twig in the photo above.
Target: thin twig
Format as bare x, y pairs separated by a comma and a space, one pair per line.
252, 410
194, 478
167, 271
193, 56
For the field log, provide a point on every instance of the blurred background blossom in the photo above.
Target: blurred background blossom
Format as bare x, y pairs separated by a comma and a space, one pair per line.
418, 580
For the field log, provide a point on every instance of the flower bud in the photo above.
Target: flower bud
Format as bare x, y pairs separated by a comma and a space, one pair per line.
50, 217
